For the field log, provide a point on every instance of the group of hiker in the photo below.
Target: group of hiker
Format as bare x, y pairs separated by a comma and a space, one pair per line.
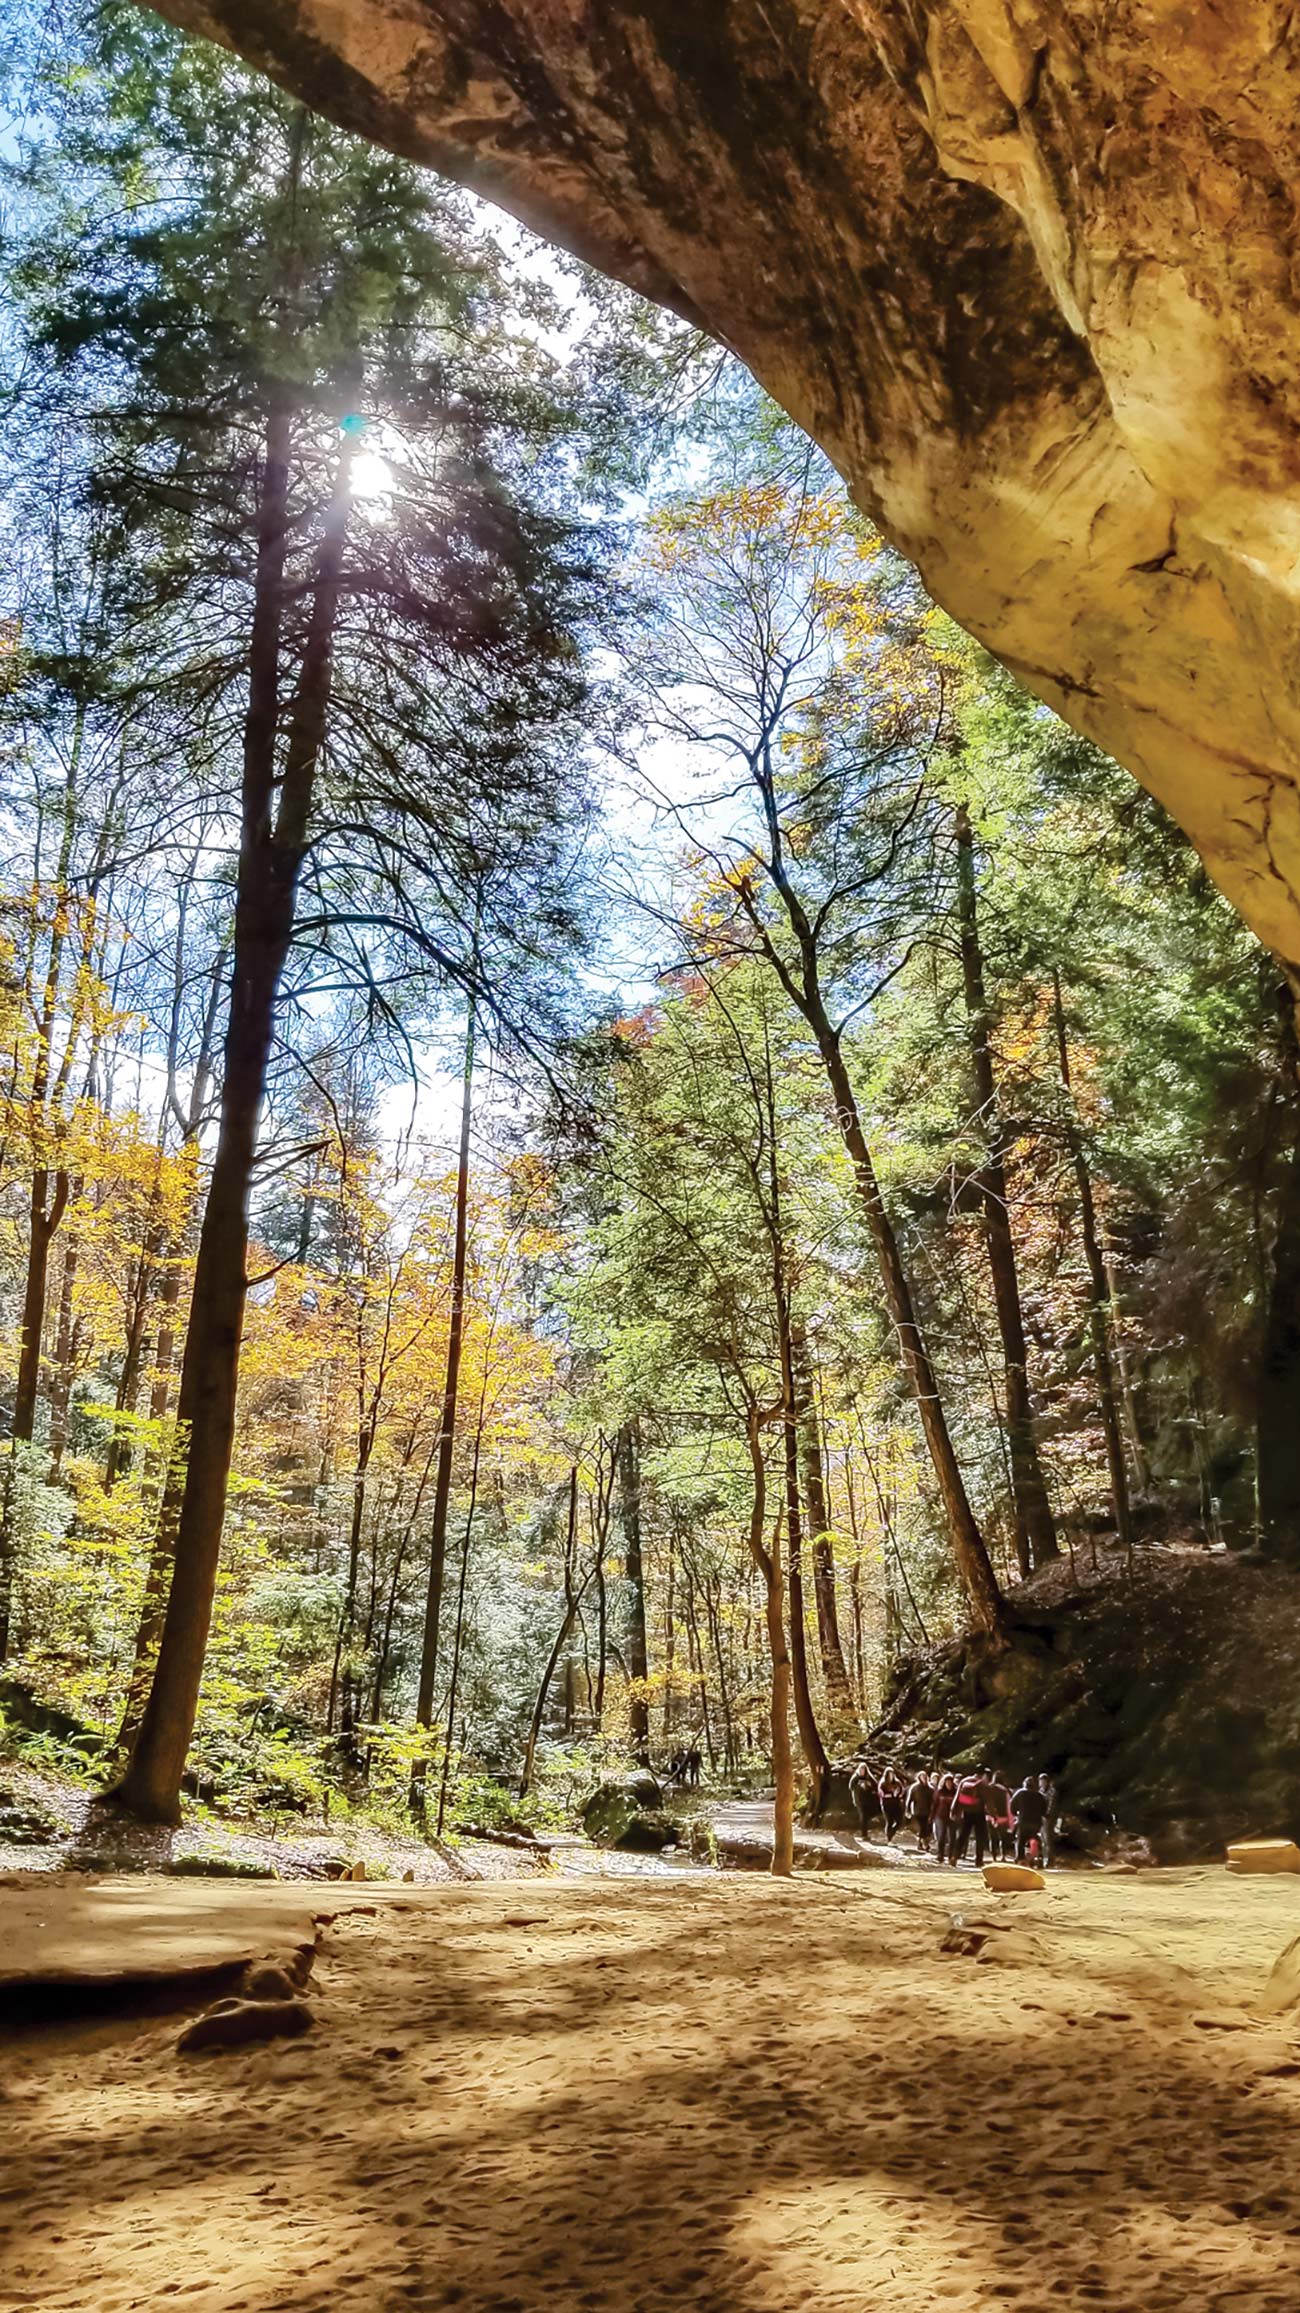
952, 1814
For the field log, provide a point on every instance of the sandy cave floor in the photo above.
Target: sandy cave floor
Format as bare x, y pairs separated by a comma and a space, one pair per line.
712, 2093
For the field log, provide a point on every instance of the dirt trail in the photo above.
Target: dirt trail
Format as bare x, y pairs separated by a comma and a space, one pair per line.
720, 2094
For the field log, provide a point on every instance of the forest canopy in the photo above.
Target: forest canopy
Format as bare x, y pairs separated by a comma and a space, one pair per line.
603, 1127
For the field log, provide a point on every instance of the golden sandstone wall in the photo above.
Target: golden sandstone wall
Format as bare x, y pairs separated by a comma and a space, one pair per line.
1028, 271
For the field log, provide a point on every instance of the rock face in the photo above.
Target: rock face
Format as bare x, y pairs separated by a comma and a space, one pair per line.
1027, 270
627, 1811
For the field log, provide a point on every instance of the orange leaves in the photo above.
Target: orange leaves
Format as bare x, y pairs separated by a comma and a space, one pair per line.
816, 531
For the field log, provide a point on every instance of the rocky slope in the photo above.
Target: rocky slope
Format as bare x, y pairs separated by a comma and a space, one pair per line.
1027, 272
1166, 1701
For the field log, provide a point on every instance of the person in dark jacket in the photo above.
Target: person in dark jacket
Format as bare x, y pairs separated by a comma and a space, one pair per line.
970, 1816
893, 1799
1029, 1811
945, 1791
1001, 1823
1051, 1800
862, 1791
920, 1808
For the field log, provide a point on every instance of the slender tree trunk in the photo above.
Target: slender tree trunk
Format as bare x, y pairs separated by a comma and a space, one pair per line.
712, 1609
118, 1458
892, 1553
604, 1492
1035, 1528
384, 1653
1099, 1301
855, 1584
1278, 1395
342, 1694
814, 1750
768, 1563
165, 1349
171, 1259
1277, 1432
42, 1223
627, 1450
670, 1641
458, 1629
65, 1349
984, 1599
695, 1656
1127, 1394
450, 1395
272, 845
839, 1691
974, 1566
43, 1218
572, 1601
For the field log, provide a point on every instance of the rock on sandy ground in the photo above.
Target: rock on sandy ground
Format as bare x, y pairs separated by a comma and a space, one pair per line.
715, 2095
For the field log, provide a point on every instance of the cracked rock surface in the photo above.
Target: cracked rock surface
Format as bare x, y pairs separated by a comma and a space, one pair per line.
1027, 271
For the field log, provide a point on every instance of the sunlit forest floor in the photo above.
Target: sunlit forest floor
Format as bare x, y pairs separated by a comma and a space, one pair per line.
707, 2093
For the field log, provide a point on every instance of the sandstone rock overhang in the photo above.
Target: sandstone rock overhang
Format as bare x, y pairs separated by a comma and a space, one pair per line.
1027, 269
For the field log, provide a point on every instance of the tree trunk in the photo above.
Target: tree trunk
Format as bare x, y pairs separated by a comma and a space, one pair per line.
42, 1226
984, 1599
604, 1490
974, 1566
1127, 1394
165, 1351
1099, 1302
458, 1627
814, 1750
839, 1690
1035, 1528
342, 1694
118, 1458
627, 1448
699, 1669
712, 1609
1278, 1416
272, 845
855, 1584
42, 1223
572, 1601
65, 1350
1277, 1432
43, 1220
450, 1395
670, 1641
384, 1651
970, 1553
768, 1563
